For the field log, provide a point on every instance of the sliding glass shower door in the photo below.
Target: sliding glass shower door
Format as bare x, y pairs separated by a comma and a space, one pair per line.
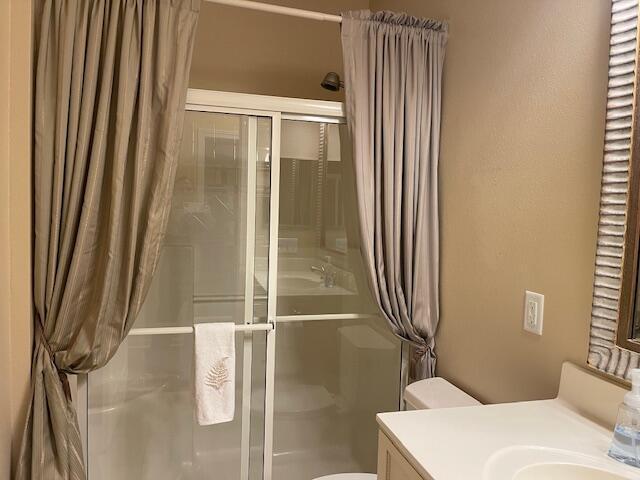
140, 406
262, 234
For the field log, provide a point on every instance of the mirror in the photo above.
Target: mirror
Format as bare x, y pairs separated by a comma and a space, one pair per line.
620, 206
614, 341
628, 334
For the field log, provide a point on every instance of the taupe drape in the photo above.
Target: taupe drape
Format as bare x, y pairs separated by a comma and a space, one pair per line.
110, 86
393, 71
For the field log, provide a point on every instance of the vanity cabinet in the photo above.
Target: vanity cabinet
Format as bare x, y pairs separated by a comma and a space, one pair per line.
391, 463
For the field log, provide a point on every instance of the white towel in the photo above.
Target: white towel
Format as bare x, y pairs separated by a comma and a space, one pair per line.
215, 360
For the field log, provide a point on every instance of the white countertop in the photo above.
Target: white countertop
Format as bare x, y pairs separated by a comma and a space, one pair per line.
460, 443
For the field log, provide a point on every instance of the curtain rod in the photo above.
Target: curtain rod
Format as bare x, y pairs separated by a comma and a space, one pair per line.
293, 12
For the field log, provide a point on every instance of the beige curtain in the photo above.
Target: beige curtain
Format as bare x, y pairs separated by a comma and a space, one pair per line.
393, 81
110, 86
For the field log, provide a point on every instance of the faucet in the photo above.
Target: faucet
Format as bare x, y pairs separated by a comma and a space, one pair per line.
326, 274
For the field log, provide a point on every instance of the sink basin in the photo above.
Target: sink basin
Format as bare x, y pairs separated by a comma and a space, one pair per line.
530, 462
558, 471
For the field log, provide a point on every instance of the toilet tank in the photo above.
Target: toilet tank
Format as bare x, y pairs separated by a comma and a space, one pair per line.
436, 392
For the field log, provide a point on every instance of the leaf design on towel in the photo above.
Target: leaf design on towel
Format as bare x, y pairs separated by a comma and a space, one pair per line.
218, 375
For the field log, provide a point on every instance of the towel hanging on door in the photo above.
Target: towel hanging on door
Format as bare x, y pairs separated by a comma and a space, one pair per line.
215, 372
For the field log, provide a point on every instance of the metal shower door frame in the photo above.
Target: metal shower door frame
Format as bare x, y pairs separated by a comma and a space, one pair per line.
207, 103
277, 109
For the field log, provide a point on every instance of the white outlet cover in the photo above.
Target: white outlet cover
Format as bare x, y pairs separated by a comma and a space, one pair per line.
533, 314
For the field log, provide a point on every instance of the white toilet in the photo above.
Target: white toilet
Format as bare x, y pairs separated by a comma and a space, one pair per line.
431, 393
436, 392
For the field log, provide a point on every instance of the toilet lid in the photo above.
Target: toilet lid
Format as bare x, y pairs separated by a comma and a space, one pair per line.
350, 476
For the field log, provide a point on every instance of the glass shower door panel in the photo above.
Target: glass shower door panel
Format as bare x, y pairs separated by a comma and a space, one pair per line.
140, 406
332, 378
337, 364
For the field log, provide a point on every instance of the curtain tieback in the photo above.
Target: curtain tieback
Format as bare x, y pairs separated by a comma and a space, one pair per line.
420, 350
423, 348
62, 375
424, 359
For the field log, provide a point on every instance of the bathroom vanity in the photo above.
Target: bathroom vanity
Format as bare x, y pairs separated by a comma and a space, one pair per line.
392, 464
567, 437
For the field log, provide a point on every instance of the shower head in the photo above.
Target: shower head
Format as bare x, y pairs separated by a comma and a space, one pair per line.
331, 81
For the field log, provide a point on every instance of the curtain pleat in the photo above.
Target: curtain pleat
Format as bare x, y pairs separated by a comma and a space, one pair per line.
393, 80
110, 87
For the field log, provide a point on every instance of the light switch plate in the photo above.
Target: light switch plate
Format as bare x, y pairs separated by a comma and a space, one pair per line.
533, 312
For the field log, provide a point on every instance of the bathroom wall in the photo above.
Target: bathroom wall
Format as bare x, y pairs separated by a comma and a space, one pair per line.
15, 220
5, 346
521, 159
241, 50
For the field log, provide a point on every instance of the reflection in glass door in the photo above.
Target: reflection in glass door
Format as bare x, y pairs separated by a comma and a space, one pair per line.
140, 406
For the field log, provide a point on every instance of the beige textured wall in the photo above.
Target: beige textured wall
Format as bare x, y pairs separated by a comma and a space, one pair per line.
521, 159
15, 220
241, 50
5, 346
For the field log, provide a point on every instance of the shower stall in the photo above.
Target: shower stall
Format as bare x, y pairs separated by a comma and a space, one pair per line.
261, 234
